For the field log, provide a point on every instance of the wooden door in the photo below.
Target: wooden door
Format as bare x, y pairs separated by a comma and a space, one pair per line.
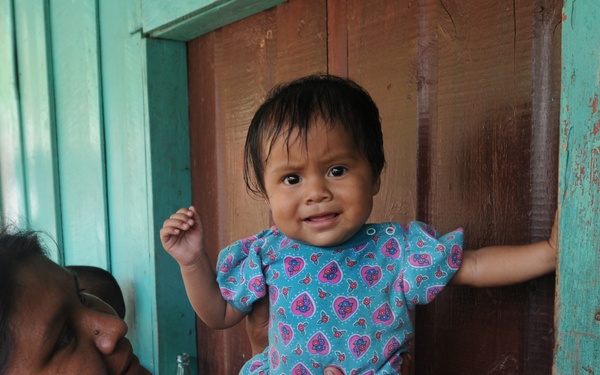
468, 95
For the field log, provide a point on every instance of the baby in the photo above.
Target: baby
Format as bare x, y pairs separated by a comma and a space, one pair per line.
341, 291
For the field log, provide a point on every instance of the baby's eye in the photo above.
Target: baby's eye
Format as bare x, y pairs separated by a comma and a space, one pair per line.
292, 179
337, 171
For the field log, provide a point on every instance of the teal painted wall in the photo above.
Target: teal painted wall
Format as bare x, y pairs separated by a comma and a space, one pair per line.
94, 150
94, 143
578, 282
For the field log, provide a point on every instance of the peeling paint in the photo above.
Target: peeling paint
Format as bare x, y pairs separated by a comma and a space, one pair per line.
594, 104
596, 129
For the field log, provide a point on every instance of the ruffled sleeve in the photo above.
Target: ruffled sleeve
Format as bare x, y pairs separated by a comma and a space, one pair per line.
240, 274
430, 262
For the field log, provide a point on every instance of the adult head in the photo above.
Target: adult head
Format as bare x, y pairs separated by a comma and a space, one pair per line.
292, 109
102, 284
47, 325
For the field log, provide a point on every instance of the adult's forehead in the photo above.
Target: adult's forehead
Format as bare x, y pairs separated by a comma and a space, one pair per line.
41, 287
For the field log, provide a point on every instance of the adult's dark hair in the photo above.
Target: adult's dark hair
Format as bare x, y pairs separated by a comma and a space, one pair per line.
16, 248
293, 107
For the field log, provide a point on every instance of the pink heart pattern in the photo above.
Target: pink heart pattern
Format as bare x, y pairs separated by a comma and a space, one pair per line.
420, 260
286, 332
371, 275
383, 315
318, 344
455, 258
301, 369
391, 248
359, 345
391, 346
433, 291
344, 307
257, 286
303, 305
293, 265
273, 294
226, 264
331, 273
274, 358
401, 284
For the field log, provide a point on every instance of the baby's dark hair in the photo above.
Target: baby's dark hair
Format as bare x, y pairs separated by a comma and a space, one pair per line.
294, 106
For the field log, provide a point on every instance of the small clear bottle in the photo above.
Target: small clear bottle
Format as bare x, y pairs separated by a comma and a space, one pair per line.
183, 364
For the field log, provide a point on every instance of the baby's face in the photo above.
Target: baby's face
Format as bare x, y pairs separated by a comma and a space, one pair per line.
321, 192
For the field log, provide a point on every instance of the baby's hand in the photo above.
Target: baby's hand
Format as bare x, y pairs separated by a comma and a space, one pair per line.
181, 236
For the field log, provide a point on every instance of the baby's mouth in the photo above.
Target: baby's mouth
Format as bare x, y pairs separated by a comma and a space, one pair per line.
321, 218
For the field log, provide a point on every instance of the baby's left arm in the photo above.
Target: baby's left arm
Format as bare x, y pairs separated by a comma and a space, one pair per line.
504, 265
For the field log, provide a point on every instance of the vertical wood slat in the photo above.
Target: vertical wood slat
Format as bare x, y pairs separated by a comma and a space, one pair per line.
478, 175
337, 37
169, 188
230, 71
381, 45
80, 133
13, 205
578, 287
33, 49
538, 343
147, 171
122, 59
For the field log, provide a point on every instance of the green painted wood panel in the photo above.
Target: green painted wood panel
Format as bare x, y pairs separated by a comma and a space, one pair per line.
13, 206
170, 186
578, 290
188, 19
147, 160
37, 115
80, 133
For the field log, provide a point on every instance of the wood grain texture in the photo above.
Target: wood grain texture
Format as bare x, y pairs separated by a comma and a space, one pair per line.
545, 109
475, 83
36, 95
382, 58
80, 132
578, 305
13, 204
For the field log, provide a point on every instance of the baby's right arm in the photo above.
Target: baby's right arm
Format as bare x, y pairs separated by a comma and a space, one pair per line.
181, 236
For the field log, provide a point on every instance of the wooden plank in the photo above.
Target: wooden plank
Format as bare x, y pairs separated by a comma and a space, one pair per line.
80, 133
381, 53
474, 149
337, 37
545, 108
38, 122
147, 152
13, 205
168, 151
185, 20
578, 295
130, 243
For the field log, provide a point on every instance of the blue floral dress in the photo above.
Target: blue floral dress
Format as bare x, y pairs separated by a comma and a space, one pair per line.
349, 305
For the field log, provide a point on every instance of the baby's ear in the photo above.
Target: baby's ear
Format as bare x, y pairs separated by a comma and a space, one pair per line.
376, 185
